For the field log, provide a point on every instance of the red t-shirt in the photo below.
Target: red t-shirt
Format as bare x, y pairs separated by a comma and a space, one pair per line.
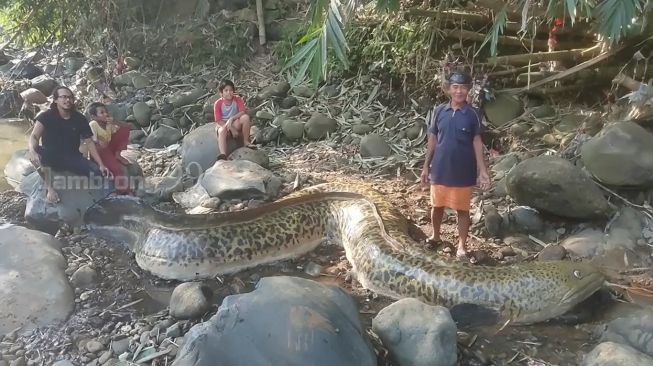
222, 112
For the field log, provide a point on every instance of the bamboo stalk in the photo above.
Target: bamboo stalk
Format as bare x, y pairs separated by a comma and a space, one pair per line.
626, 82
502, 40
261, 22
567, 55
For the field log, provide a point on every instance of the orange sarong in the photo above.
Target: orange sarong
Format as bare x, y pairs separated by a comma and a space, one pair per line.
455, 198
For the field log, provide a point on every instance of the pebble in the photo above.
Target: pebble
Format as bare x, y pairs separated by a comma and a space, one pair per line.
94, 346
313, 269
105, 357
120, 346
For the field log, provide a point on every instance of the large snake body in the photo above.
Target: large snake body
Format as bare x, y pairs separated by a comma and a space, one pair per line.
373, 234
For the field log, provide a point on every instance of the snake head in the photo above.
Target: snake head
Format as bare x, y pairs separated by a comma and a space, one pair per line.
582, 279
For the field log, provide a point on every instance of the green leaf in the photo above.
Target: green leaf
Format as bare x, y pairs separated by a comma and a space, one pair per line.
338, 41
492, 36
299, 76
570, 9
302, 53
615, 17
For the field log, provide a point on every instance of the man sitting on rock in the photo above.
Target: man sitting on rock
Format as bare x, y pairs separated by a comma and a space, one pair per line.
61, 128
231, 117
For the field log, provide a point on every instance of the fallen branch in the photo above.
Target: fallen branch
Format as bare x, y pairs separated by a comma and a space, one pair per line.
515, 70
575, 69
566, 55
626, 82
473, 19
502, 40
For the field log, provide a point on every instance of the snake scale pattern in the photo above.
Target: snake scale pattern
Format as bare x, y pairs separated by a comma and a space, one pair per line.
373, 233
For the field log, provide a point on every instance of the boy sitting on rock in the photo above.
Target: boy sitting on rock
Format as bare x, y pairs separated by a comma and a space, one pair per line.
111, 138
231, 117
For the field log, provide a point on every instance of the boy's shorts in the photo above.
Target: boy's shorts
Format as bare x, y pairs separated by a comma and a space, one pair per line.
455, 198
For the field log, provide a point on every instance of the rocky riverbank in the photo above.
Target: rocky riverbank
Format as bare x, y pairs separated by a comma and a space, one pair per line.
568, 183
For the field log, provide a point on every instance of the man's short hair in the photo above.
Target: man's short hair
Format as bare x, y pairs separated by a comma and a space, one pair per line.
225, 83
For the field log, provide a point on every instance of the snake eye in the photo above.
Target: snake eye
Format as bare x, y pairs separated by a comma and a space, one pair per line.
577, 274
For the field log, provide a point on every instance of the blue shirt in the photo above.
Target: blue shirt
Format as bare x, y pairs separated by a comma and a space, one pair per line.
454, 163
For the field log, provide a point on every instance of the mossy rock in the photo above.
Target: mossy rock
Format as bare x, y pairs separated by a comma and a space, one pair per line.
361, 129
503, 109
374, 145
293, 130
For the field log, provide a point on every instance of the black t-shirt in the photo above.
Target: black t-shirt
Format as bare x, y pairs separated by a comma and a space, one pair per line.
63, 135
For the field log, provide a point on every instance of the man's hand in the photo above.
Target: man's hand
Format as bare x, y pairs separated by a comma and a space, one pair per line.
105, 172
424, 177
102, 143
34, 158
484, 181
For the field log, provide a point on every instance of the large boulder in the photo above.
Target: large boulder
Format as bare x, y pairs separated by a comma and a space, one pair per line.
18, 167
162, 137
503, 109
44, 83
199, 149
34, 290
76, 195
621, 155
615, 354
235, 179
33, 96
554, 185
285, 321
417, 334
634, 330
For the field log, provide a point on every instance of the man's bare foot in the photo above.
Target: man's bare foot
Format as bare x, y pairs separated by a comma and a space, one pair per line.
463, 255
52, 195
434, 239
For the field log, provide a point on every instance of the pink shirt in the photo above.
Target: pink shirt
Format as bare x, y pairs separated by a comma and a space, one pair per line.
222, 111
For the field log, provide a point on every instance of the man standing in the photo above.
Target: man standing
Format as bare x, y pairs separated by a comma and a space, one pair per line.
454, 161
62, 128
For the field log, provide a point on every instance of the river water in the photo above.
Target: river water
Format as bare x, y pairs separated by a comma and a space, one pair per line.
13, 136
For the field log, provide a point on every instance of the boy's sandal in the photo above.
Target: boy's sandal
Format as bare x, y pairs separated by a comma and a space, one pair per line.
222, 157
251, 146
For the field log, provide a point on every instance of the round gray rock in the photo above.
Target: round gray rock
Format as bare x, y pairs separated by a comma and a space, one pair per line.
503, 109
374, 145
293, 130
34, 291
635, 330
554, 185
255, 156
285, 321
190, 300
319, 125
417, 334
142, 113
615, 354
162, 137
84, 277
621, 155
